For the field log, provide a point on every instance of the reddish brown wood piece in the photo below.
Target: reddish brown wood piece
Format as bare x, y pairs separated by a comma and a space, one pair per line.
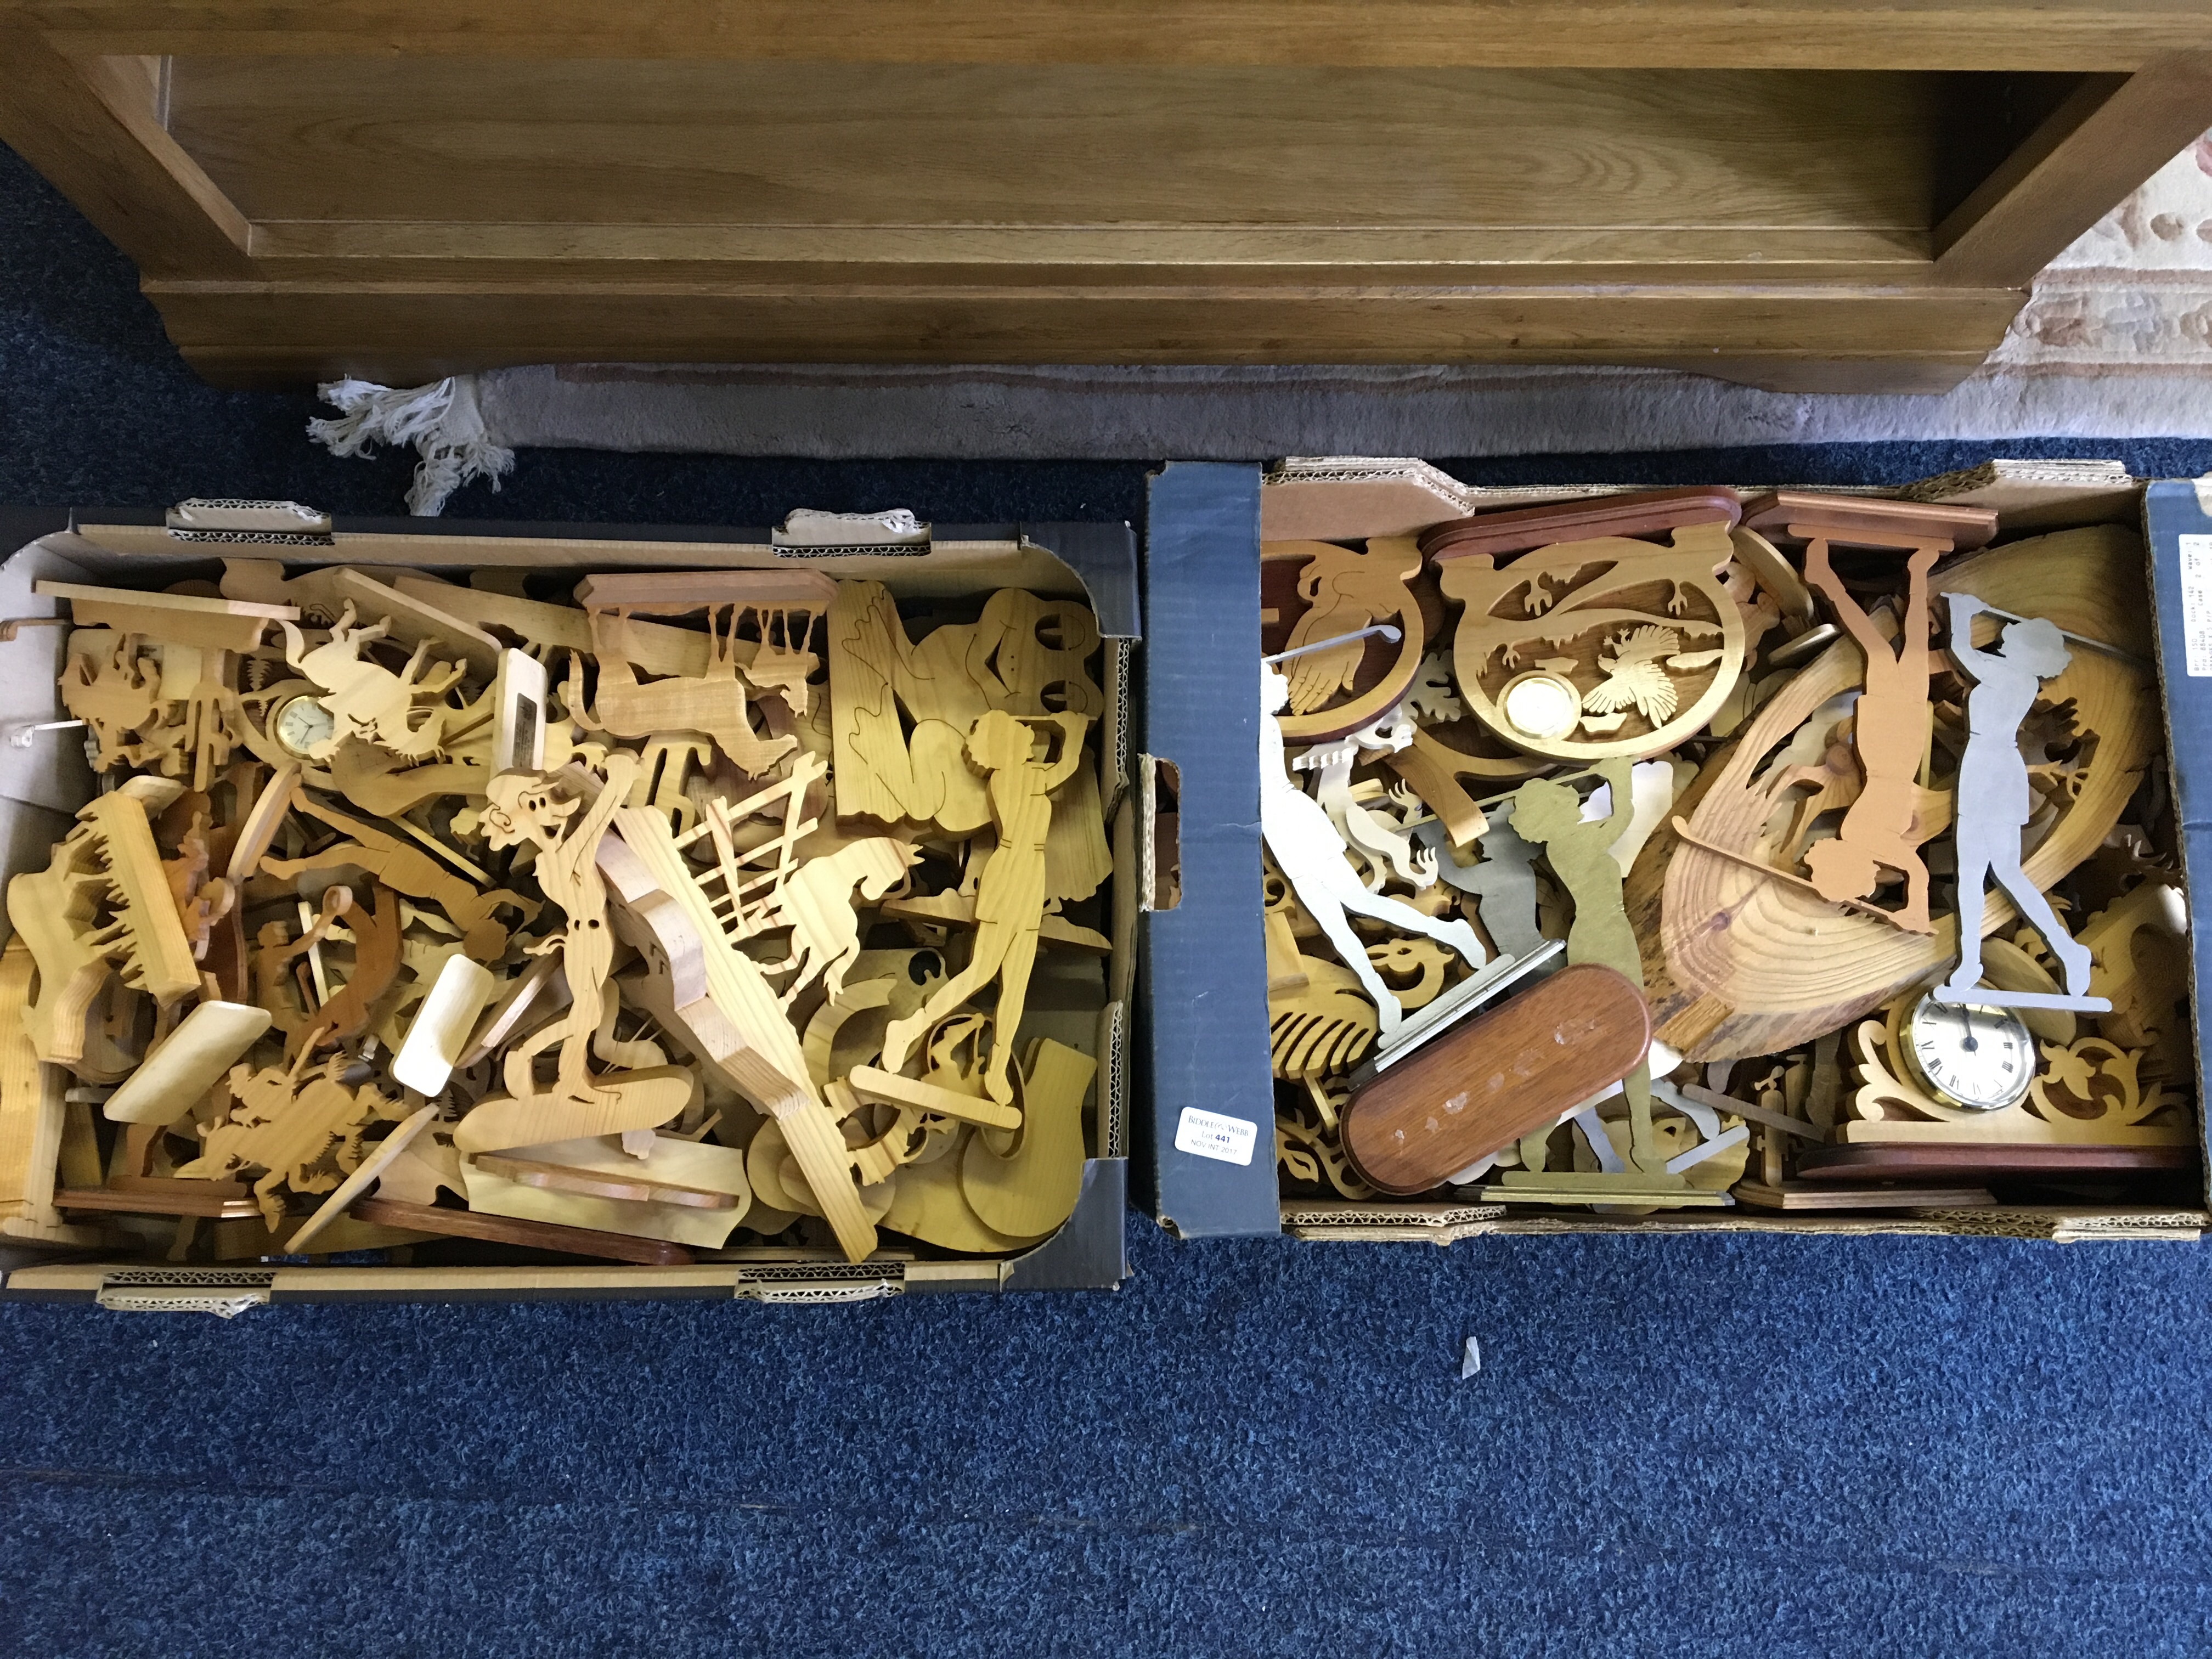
530, 1234
219, 1200
1506, 1073
1985, 1163
1862, 521
1645, 514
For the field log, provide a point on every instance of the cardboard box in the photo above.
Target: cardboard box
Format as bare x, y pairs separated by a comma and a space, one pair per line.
1204, 1040
42, 784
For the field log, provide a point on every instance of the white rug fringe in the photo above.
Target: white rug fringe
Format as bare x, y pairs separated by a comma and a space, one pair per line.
442, 421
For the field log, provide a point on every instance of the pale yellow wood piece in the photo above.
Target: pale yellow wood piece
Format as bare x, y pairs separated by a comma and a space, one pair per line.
371, 1170
428, 1165
781, 1182
591, 1183
928, 1203
368, 701
379, 781
715, 703
877, 1087
1031, 1187
1077, 859
1776, 575
615, 1103
1632, 626
313, 595
1286, 971
677, 1224
753, 1042
958, 910
1018, 671
439, 1035
177, 1073
881, 980
818, 903
653, 646
868, 643
108, 858
538, 993
413, 620
675, 1163
1009, 893
115, 689
187, 619
258, 831
1324, 1026
2017, 1128
33, 1118
295, 1130
473, 905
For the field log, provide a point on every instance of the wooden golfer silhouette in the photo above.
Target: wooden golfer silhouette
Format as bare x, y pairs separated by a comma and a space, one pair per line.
1547, 812
1309, 853
1009, 890
524, 806
1878, 830
1995, 802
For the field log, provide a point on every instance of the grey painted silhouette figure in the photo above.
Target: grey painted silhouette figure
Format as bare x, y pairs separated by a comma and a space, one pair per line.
1994, 800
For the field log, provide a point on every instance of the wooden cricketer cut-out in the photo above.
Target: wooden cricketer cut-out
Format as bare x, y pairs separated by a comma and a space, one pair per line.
1995, 805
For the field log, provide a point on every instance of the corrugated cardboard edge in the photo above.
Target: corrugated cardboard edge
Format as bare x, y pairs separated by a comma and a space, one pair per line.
1448, 1224
1088, 1252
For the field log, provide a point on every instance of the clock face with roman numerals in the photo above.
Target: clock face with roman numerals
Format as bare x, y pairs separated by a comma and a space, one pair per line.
1969, 1054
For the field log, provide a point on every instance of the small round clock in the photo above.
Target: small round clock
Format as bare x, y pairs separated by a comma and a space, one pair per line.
301, 725
1969, 1055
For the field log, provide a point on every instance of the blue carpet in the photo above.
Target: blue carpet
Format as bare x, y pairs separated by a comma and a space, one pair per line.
1772, 1447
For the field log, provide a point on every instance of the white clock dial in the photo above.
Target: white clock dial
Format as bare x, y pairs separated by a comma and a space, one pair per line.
1970, 1055
303, 727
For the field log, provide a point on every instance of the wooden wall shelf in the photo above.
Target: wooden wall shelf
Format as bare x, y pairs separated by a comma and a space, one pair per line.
1800, 193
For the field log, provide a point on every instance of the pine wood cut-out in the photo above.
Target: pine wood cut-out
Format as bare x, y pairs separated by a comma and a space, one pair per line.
1027, 1188
174, 1076
103, 906
302, 1131
408, 870
1009, 894
404, 711
32, 1113
378, 1159
1643, 640
1788, 965
1343, 591
715, 702
752, 1040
